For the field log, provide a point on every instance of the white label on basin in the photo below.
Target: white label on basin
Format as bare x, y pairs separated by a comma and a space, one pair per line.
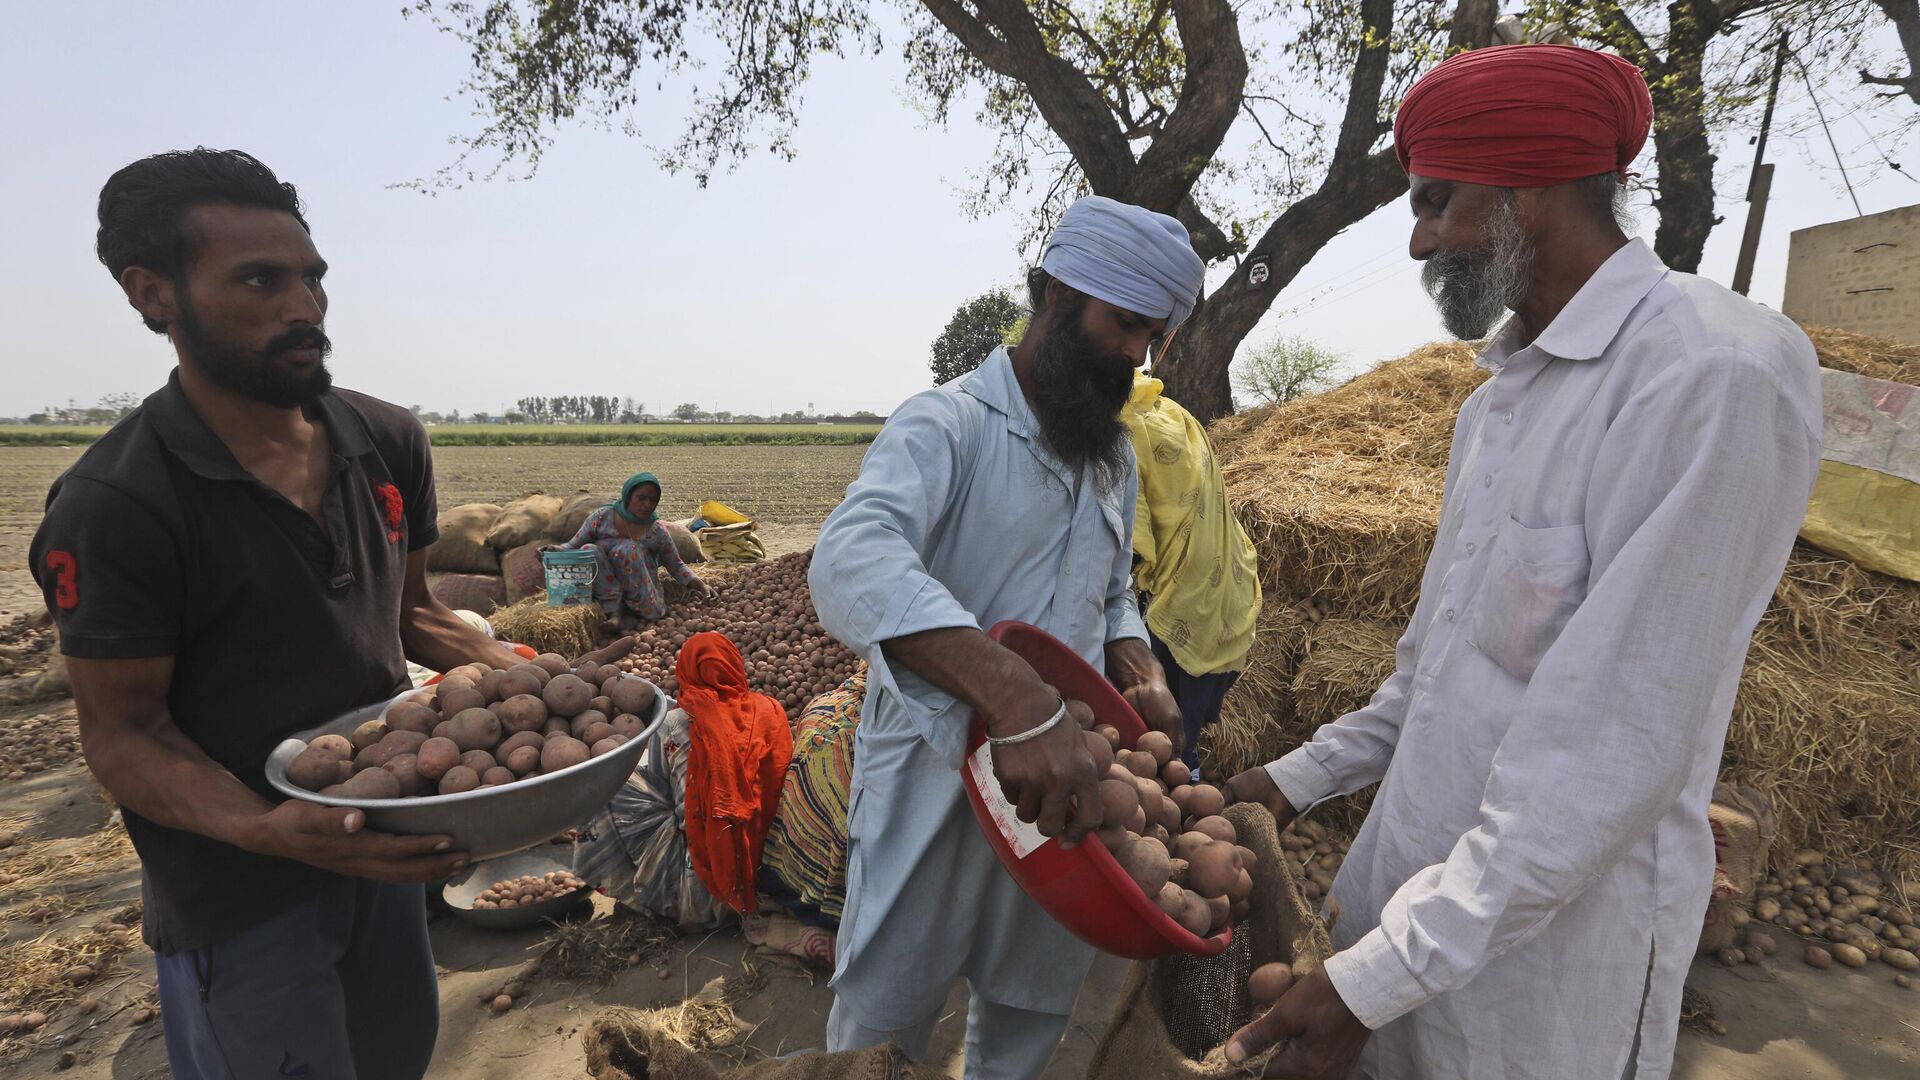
1023, 838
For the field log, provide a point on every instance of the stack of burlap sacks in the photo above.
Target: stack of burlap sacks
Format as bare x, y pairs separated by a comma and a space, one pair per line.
488, 556
1341, 495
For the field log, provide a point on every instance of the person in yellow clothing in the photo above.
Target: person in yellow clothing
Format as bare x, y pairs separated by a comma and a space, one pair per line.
1193, 564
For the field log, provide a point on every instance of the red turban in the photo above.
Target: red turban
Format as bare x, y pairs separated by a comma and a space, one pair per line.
1524, 116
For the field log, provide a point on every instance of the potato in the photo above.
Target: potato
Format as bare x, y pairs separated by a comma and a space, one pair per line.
523, 759
632, 695
552, 663
1187, 843
562, 751
516, 741
334, 791
1211, 871
525, 679
498, 775
1180, 795
1137, 824
1117, 771
1242, 887
1102, 753
489, 685
478, 760
577, 727
454, 681
521, 712
1175, 774
567, 695
555, 725
455, 702
596, 732
372, 784
1113, 837
1206, 801
1194, 917
588, 673
436, 756
459, 779
608, 745
1146, 862
1217, 827
1109, 733
602, 705
1118, 801
1169, 819
443, 730
337, 745
629, 725
1151, 799
313, 769
377, 755
406, 769
1139, 763
369, 733
405, 742
1899, 958
406, 716
1159, 745
1269, 982
1218, 908
1851, 955
475, 729
1171, 900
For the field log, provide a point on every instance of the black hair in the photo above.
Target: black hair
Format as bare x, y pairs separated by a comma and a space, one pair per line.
143, 207
1037, 282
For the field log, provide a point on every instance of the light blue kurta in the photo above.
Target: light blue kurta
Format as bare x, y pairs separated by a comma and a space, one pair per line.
960, 517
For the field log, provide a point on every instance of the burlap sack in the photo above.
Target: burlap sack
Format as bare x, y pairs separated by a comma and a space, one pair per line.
524, 521
1742, 823
462, 547
684, 542
628, 1044
478, 593
573, 515
1175, 1014
523, 571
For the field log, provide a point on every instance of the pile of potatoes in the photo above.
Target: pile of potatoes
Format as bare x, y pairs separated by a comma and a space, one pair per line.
38, 743
1315, 853
768, 614
1850, 909
529, 889
480, 727
1167, 834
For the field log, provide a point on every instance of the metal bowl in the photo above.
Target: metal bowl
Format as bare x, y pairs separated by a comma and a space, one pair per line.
461, 892
486, 822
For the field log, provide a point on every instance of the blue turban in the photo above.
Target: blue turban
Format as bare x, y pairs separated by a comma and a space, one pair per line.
1128, 256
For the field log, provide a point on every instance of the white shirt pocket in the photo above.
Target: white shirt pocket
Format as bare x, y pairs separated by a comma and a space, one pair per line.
1536, 579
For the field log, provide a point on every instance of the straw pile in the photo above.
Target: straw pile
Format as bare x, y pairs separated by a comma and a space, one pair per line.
1341, 494
567, 631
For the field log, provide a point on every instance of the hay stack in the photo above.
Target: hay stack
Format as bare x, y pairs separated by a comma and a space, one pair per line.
1341, 493
567, 631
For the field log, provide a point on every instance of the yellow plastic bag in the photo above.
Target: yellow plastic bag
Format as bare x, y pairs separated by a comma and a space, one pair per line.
1866, 502
718, 513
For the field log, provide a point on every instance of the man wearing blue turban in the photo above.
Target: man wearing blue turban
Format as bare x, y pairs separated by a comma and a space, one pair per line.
1007, 493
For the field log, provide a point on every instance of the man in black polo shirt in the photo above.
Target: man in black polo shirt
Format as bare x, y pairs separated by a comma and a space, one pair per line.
241, 558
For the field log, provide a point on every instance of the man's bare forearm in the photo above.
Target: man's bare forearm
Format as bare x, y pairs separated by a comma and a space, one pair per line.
1131, 663
980, 672
437, 639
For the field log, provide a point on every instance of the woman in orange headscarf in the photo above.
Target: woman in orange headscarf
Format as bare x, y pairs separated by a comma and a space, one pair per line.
736, 760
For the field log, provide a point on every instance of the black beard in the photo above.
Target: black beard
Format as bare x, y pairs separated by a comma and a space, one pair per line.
257, 374
1078, 393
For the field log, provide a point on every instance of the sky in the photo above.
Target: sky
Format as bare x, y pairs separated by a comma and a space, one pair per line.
817, 283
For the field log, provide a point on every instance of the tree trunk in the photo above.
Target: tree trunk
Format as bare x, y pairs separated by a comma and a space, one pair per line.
1195, 370
1685, 158
1906, 22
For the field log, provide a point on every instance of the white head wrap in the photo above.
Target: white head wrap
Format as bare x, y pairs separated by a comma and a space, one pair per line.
1128, 256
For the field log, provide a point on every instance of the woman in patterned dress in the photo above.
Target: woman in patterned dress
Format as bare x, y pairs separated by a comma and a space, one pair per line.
629, 546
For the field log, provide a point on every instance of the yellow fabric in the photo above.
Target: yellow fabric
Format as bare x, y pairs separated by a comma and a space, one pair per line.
719, 513
1195, 560
1870, 518
731, 543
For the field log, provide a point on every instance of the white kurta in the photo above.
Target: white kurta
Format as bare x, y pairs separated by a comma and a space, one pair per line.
1527, 892
960, 517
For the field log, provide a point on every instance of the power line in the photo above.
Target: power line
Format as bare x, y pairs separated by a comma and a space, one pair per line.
1875, 143
1835, 147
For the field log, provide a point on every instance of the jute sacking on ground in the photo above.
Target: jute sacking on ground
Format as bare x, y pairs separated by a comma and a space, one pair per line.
1341, 493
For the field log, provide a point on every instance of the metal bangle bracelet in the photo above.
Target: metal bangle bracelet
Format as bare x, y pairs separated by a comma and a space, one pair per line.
1036, 731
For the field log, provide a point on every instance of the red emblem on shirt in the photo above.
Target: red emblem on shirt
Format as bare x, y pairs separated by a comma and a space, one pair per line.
396, 509
66, 581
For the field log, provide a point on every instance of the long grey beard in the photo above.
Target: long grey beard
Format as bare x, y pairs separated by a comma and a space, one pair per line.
1473, 289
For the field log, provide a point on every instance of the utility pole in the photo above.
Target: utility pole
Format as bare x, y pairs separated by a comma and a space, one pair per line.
1760, 185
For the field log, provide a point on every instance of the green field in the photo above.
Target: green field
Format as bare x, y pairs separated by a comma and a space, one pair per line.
551, 435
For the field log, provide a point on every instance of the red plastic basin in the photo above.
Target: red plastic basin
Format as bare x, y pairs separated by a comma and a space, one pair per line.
1083, 888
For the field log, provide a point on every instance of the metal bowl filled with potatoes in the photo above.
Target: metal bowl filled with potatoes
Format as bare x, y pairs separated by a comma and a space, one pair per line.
499, 760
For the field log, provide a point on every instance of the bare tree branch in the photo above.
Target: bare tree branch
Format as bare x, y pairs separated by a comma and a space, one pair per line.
1905, 15
1209, 101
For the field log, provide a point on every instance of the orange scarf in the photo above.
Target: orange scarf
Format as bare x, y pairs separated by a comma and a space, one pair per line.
740, 743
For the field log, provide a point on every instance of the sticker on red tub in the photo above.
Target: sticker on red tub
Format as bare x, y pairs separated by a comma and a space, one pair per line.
1023, 838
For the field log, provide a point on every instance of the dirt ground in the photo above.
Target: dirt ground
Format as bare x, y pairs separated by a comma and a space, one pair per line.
65, 869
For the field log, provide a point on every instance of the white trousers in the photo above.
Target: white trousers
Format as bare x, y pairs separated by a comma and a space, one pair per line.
1003, 1043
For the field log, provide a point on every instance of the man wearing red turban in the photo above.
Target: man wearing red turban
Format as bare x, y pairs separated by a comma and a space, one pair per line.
1527, 891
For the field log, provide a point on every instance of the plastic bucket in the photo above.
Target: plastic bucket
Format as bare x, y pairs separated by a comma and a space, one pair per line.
1084, 889
569, 576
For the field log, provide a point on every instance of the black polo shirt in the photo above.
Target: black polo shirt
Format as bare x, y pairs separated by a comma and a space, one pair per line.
157, 543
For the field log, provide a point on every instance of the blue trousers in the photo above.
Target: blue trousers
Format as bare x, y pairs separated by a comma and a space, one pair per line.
1200, 698
341, 987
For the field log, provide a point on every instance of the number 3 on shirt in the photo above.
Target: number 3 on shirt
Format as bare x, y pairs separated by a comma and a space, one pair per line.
66, 588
